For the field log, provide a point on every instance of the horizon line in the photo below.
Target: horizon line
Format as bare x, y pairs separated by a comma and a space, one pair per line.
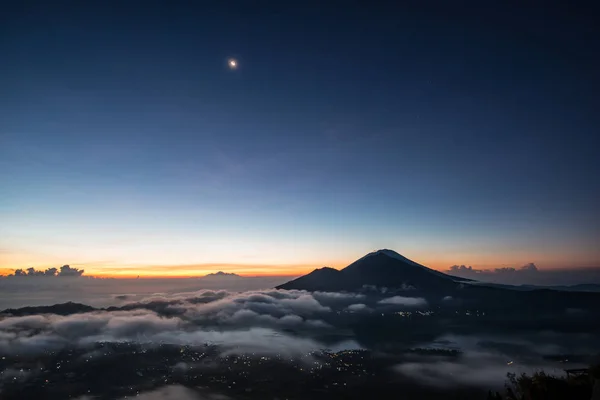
200, 270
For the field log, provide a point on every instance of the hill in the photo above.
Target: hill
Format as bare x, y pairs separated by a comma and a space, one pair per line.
59, 309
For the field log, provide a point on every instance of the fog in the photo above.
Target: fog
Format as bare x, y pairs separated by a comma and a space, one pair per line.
42, 290
485, 360
173, 392
250, 321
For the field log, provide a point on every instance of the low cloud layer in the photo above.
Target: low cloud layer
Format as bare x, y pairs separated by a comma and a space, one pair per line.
240, 322
172, 392
38, 290
528, 274
178, 392
485, 361
486, 370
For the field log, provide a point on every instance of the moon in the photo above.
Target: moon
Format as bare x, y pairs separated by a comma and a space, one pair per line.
232, 63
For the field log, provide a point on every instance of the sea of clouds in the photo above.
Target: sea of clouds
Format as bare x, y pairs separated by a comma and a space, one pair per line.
253, 321
285, 322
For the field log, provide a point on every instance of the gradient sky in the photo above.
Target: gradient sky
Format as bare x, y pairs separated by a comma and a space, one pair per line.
451, 135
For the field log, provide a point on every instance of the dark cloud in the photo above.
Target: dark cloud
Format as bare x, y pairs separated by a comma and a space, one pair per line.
123, 296
65, 270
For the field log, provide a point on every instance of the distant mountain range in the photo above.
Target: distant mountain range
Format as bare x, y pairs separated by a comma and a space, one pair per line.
382, 269
583, 287
221, 274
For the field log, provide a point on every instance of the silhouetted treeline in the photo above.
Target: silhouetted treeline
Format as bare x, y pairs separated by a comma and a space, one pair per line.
541, 386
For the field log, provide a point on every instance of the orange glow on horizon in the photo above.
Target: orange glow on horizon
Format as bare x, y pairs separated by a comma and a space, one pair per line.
116, 270
184, 271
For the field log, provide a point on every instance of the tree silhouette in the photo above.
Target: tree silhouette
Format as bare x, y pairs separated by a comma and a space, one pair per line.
541, 386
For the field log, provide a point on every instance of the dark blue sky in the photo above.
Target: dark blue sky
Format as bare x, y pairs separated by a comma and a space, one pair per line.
453, 134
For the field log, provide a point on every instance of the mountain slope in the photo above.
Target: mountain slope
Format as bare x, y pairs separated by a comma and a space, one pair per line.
320, 279
382, 268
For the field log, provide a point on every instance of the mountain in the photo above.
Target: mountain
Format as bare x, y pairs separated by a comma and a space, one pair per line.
387, 273
382, 268
583, 287
221, 274
59, 309
320, 279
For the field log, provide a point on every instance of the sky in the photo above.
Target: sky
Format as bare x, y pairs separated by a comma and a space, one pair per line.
451, 134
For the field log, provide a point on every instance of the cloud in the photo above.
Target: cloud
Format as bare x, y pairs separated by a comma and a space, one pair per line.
404, 301
528, 273
271, 309
485, 360
56, 332
474, 369
333, 296
305, 303
28, 322
65, 270
530, 267
239, 322
178, 392
358, 307
252, 340
171, 392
